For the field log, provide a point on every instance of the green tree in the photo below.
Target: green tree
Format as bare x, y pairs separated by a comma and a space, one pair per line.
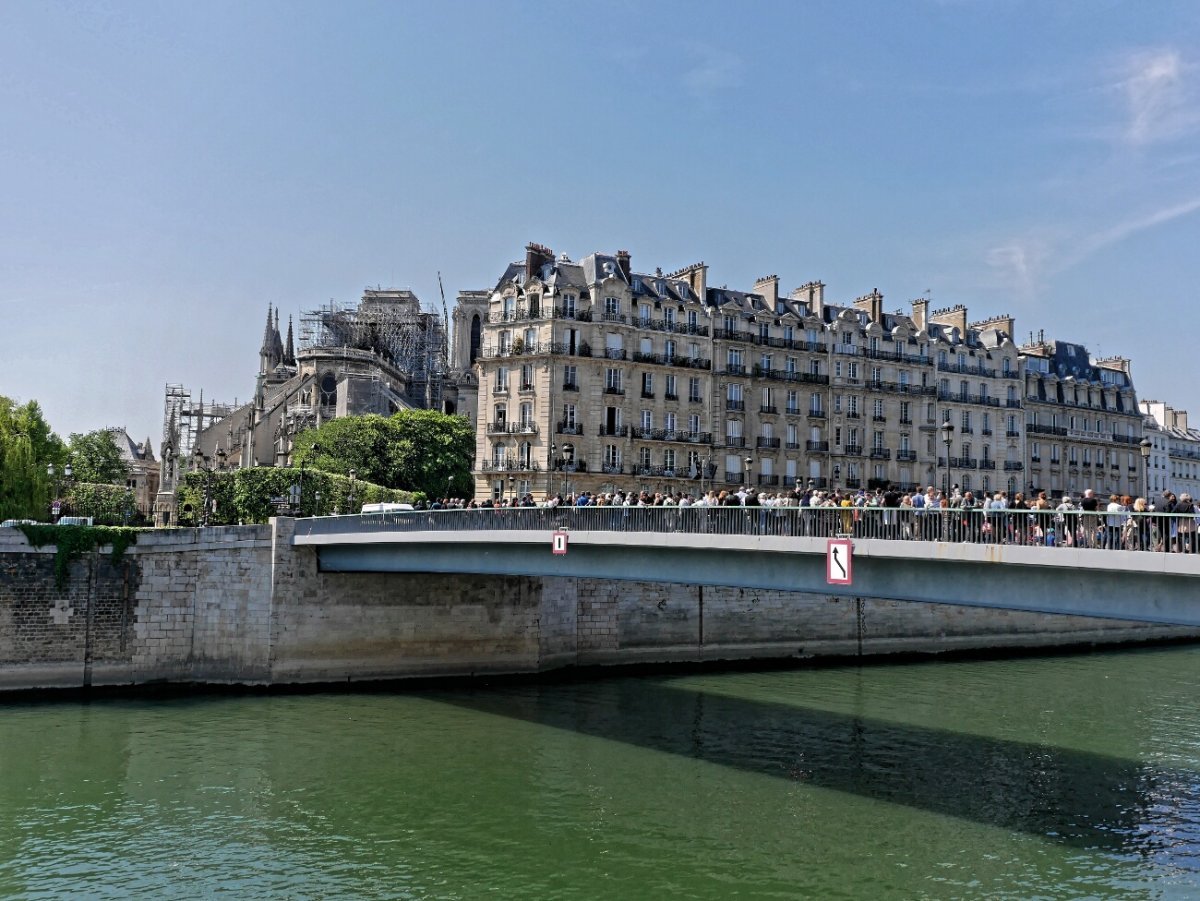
27, 447
416, 450
96, 458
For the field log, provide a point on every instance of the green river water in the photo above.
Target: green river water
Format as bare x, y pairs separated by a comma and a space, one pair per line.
1038, 777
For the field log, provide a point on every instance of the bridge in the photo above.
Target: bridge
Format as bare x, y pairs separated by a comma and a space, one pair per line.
1041, 562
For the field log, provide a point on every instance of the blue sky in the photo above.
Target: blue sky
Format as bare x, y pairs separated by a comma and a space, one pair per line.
169, 169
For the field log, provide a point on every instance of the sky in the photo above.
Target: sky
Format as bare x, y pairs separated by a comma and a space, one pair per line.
167, 170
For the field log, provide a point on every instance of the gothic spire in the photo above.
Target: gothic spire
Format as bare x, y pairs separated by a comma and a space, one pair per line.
276, 343
264, 352
289, 354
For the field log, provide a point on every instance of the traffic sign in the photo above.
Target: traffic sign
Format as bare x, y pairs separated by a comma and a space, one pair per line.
558, 543
839, 554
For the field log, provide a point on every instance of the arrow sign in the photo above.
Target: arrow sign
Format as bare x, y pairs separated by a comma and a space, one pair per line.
839, 553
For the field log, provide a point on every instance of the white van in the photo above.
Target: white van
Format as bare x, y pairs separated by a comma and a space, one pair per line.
386, 508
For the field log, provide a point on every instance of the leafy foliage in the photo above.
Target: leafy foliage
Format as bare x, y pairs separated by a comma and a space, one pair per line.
106, 504
96, 458
419, 450
245, 495
72, 542
27, 446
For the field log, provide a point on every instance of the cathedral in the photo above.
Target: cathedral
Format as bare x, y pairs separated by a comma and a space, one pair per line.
380, 356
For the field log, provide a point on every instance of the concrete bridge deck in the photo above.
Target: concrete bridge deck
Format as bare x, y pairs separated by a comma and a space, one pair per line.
747, 548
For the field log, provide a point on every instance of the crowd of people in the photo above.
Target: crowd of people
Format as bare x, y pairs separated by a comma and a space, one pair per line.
1118, 522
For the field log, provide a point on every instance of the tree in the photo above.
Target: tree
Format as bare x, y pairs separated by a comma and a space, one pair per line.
96, 458
27, 447
414, 450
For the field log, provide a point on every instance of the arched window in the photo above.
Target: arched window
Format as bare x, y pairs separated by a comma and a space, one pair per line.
476, 337
328, 390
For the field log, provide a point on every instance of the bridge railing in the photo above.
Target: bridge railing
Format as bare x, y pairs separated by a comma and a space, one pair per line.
1159, 532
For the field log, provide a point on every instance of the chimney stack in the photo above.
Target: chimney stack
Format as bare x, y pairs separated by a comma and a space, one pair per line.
920, 312
768, 287
623, 264
536, 256
872, 303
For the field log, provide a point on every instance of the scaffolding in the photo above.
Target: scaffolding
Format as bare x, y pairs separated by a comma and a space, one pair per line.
390, 323
184, 419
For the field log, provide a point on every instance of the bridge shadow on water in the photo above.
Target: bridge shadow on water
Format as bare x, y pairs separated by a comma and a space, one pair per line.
1079, 798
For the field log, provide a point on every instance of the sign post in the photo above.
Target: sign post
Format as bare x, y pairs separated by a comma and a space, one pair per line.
839, 559
558, 544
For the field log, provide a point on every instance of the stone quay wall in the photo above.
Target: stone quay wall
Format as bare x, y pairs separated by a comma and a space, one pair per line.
244, 606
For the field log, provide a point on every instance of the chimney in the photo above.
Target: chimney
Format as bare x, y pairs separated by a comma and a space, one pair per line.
536, 256
951, 317
811, 295
872, 303
768, 287
623, 263
920, 312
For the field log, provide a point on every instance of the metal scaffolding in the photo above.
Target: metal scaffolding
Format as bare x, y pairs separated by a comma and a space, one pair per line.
184, 419
390, 323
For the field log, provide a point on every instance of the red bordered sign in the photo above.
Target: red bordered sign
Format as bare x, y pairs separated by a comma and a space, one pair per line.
839, 561
558, 544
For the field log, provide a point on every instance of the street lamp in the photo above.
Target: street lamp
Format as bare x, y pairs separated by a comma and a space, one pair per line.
350, 497
57, 477
512, 486
1144, 446
201, 463
947, 437
749, 461
551, 467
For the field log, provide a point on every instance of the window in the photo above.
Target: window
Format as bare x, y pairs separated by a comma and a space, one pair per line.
764, 363
647, 384
877, 439
669, 460
876, 374
502, 378
852, 404
670, 387
570, 377
837, 403
328, 390
669, 316
644, 457
965, 420
671, 350
612, 455
526, 414
612, 379
569, 414
568, 306
852, 372
526, 376
612, 306
814, 403
733, 392
669, 422
878, 408
647, 419
694, 388
694, 423
644, 315
793, 401
734, 360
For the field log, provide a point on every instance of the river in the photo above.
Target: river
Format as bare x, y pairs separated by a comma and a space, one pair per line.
1054, 777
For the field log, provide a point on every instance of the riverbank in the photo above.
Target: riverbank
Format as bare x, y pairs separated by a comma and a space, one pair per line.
243, 606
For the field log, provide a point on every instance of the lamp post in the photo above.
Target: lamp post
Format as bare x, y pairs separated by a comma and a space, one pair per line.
58, 477
749, 461
512, 486
350, 497
550, 465
299, 497
947, 437
1144, 446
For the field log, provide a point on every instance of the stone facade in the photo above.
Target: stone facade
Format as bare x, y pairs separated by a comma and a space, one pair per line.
593, 376
243, 605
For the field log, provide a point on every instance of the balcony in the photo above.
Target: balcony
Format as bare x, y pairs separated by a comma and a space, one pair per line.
569, 428
614, 317
734, 478
525, 387
1013, 404
791, 445
1016, 465
906, 456
612, 469
509, 465
769, 480
817, 414
853, 414
670, 395
1012, 433
853, 450
964, 463
784, 375
878, 419
570, 466
734, 369
725, 334
792, 411
1033, 429
647, 395
817, 447
771, 443
570, 386
735, 441
613, 431
735, 404
614, 353
614, 389
768, 408
985, 431
987, 464
967, 369
853, 483
572, 314
880, 453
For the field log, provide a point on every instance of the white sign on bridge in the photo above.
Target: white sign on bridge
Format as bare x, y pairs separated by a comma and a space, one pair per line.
839, 569
558, 543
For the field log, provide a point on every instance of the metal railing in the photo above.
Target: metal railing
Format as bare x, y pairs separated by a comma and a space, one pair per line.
1050, 529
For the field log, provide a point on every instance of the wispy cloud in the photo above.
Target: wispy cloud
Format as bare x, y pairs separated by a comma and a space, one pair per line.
711, 70
1161, 102
1022, 264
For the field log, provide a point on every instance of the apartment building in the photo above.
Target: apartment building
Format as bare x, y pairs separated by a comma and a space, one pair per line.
1083, 423
593, 376
1174, 463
